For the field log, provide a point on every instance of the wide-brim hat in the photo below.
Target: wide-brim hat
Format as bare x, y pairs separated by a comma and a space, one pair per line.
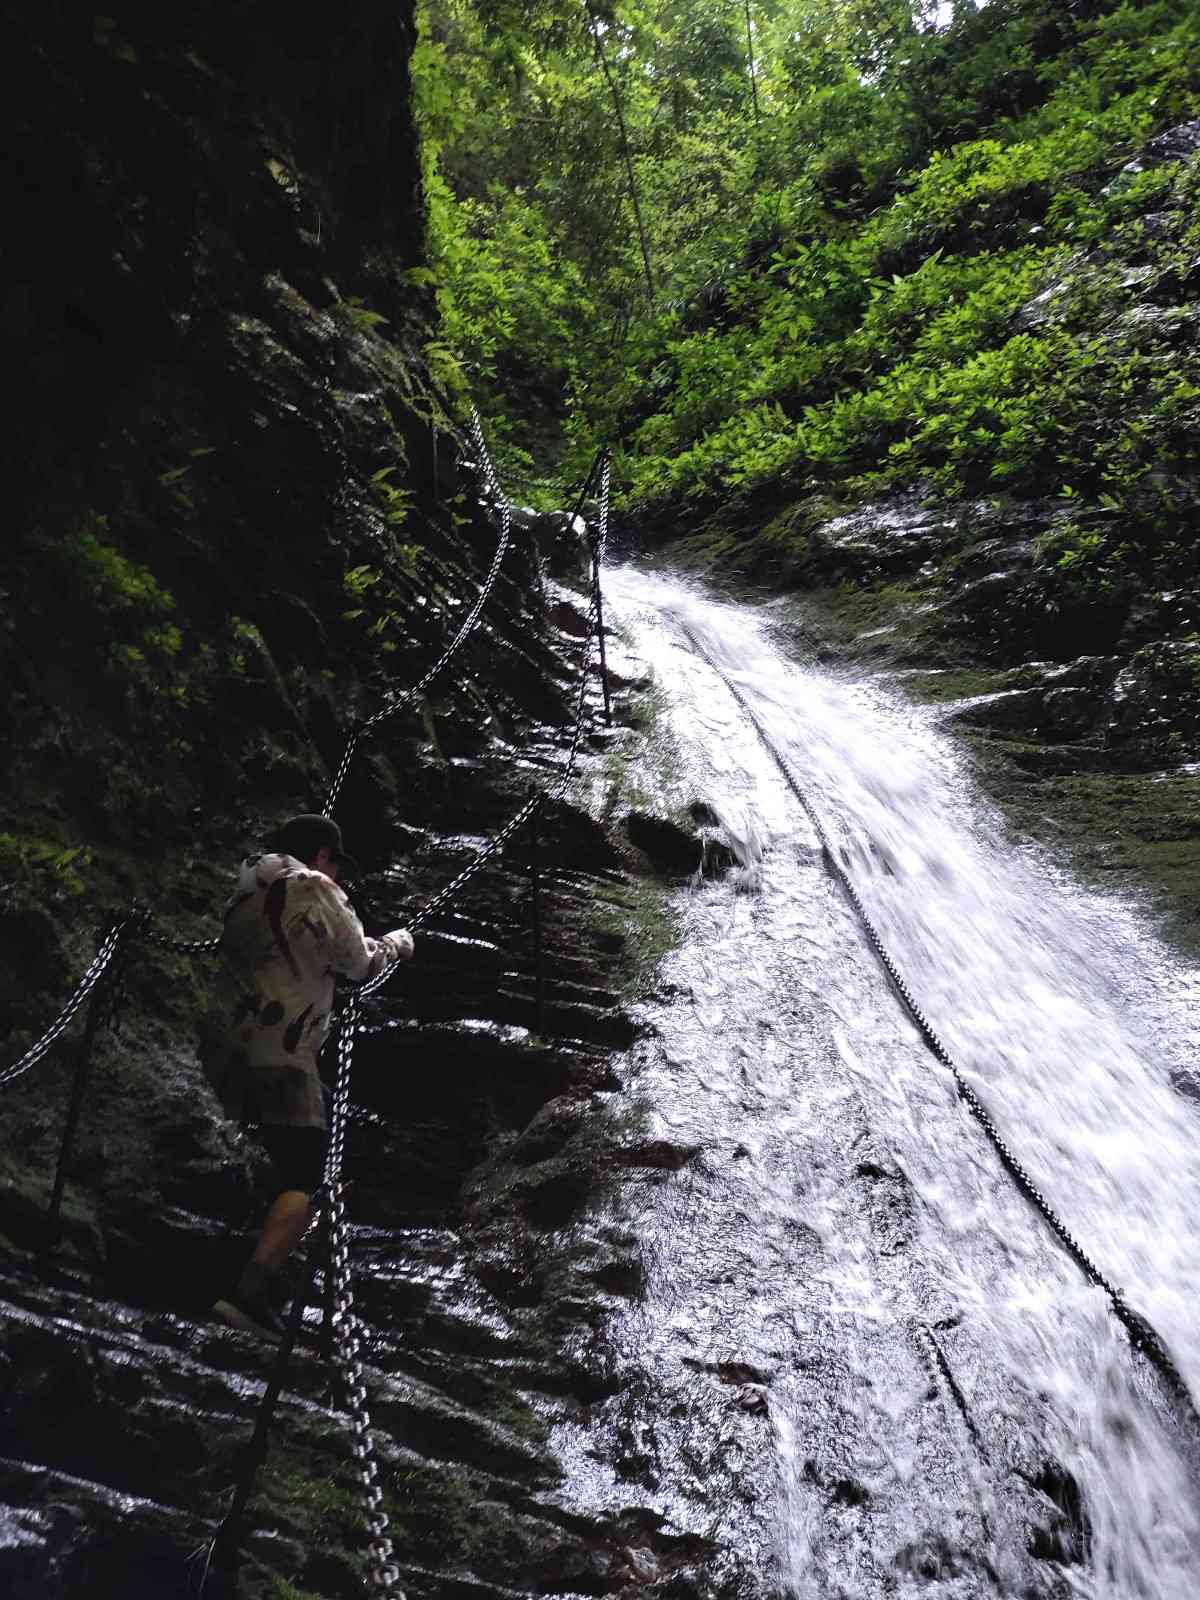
304, 835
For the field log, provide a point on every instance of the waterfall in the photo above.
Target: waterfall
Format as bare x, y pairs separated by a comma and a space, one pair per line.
946, 1395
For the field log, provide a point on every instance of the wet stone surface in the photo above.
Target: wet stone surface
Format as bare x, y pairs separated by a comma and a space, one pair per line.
476, 1151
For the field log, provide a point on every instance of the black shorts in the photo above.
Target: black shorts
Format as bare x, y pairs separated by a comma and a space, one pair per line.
298, 1154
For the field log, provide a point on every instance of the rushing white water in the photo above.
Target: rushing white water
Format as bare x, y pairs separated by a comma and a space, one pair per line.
842, 1208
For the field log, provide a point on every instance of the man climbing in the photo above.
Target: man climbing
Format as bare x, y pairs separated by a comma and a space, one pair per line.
288, 930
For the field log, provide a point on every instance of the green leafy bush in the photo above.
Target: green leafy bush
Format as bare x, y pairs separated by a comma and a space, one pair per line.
34, 862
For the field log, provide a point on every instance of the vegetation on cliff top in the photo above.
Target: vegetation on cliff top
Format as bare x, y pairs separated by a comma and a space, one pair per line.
832, 245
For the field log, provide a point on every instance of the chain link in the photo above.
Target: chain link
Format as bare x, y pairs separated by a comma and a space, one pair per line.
211, 945
383, 1575
100, 963
605, 488
1142, 1335
469, 622
569, 528
185, 947
343, 769
407, 696
498, 842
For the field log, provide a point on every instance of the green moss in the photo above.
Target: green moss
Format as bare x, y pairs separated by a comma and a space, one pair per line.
110, 577
310, 1492
642, 912
444, 1514
891, 622
509, 1409
1134, 831
109, 601
941, 687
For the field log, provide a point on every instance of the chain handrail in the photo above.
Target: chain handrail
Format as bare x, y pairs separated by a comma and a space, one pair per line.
209, 946
184, 947
99, 965
1141, 1335
383, 1575
407, 696
500, 839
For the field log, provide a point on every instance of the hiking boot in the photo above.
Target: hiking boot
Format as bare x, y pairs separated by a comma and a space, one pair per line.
248, 1305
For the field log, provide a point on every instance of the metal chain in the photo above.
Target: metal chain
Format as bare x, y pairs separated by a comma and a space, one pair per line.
605, 487
399, 701
555, 793
486, 464
934, 1359
496, 843
1142, 1336
469, 622
211, 945
343, 768
569, 527
186, 947
100, 963
383, 1575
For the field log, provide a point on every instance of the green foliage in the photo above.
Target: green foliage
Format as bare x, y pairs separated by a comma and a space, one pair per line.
38, 864
281, 1589
396, 505
115, 604
376, 592
912, 270
359, 316
357, 580
117, 583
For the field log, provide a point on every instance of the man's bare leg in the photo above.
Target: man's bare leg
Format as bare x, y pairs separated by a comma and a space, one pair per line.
251, 1304
282, 1230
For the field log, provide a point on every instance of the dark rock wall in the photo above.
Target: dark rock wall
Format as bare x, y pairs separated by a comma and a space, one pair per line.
238, 514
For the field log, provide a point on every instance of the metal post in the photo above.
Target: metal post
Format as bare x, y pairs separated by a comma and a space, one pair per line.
583, 493
97, 1015
224, 1552
600, 632
536, 916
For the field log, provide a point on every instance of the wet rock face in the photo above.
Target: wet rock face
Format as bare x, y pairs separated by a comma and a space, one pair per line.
1129, 715
1155, 707
484, 1128
879, 542
1096, 668
675, 851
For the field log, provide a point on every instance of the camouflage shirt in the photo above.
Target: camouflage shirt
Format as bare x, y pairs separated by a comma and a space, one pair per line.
288, 930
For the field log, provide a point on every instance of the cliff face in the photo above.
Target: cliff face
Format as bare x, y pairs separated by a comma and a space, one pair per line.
240, 515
